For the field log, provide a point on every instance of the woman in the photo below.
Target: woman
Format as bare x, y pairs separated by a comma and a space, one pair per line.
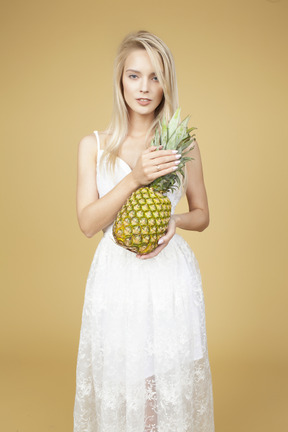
142, 363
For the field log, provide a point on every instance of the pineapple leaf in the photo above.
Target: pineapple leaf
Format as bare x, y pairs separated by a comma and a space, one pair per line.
164, 132
191, 129
184, 122
157, 138
173, 123
174, 135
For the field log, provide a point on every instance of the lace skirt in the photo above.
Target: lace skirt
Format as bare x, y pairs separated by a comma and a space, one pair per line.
143, 363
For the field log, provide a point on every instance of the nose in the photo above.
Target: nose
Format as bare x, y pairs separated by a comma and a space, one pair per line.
144, 85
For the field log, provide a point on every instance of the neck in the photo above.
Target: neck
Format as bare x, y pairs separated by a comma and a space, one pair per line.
139, 124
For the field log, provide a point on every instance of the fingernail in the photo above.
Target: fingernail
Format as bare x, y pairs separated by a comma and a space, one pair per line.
160, 241
177, 162
174, 151
178, 156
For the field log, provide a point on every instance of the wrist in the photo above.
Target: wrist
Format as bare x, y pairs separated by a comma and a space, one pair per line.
133, 182
176, 219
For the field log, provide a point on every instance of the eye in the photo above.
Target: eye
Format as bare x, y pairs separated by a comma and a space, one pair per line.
155, 78
132, 76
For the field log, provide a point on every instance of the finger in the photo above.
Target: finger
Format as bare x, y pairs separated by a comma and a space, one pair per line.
151, 254
166, 159
167, 237
163, 153
161, 167
151, 149
159, 173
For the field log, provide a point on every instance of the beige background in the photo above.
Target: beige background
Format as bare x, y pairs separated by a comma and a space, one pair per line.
232, 68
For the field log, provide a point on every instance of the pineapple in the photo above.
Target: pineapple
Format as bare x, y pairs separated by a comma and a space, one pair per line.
144, 218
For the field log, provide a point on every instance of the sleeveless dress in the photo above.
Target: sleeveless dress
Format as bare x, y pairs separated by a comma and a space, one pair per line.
142, 362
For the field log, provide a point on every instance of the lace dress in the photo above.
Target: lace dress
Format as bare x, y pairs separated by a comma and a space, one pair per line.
142, 363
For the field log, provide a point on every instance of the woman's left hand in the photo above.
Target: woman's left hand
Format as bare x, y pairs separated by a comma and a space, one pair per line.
163, 241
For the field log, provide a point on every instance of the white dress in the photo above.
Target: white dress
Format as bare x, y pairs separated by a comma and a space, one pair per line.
142, 363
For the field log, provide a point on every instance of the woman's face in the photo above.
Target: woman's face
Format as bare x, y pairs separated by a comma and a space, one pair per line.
142, 90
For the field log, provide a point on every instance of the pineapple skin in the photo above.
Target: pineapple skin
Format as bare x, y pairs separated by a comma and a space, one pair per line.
142, 220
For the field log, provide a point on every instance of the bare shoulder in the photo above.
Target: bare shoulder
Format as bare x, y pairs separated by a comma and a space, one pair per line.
194, 152
88, 142
194, 166
87, 147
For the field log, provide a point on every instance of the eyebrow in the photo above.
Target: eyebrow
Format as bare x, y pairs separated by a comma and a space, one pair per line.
133, 70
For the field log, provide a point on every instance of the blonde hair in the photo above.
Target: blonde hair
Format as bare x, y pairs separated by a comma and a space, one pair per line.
163, 61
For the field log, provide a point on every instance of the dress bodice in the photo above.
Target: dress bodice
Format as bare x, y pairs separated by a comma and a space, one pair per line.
107, 180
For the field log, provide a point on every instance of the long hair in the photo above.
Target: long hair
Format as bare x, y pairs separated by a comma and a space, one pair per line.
163, 61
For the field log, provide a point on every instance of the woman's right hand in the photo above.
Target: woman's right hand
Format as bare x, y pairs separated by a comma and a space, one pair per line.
153, 163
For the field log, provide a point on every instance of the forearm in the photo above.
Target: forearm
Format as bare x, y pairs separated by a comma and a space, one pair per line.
103, 211
194, 220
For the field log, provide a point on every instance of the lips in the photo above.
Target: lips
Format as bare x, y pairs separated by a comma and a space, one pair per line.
144, 101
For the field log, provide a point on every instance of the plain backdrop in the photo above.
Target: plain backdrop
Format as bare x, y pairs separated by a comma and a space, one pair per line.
56, 87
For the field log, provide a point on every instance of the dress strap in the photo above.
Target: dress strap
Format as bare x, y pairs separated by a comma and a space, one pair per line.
98, 141
98, 146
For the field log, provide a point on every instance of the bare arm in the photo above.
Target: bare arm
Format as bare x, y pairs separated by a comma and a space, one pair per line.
197, 219
96, 213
